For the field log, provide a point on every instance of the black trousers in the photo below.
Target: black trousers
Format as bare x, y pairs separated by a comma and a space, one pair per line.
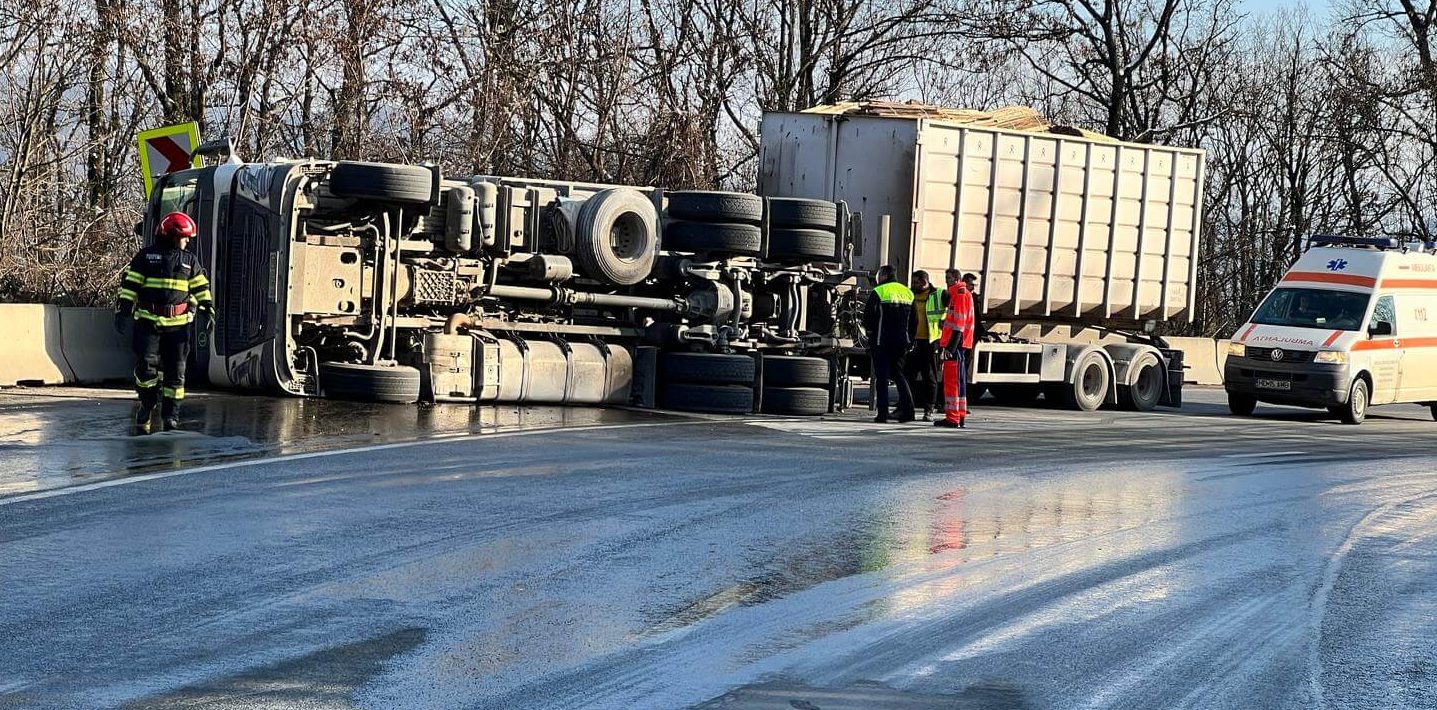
888, 364
160, 355
923, 371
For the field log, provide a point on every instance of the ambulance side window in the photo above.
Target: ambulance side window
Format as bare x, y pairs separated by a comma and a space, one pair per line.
1384, 312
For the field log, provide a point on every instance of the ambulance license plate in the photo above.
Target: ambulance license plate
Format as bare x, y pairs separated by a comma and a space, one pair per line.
1273, 384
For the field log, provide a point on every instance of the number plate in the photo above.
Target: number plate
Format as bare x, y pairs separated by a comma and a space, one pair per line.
1273, 384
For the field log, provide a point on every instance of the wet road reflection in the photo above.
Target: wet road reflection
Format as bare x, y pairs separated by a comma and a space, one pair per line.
52, 439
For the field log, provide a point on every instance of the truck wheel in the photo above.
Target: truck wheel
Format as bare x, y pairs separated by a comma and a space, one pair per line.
706, 206
369, 383
802, 244
1243, 405
1089, 386
1145, 387
802, 213
714, 237
618, 237
382, 181
719, 399
794, 371
1355, 411
803, 401
706, 368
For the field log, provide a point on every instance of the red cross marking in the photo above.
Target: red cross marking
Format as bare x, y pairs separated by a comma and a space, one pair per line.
178, 158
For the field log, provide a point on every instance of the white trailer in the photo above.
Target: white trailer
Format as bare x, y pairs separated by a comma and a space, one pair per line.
1092, 234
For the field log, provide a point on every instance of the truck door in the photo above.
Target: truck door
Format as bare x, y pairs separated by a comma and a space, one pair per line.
1384, 345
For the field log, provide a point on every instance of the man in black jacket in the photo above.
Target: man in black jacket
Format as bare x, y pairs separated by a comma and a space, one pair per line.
888, 318
159, 294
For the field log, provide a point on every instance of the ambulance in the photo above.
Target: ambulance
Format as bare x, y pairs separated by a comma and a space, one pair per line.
1352, 324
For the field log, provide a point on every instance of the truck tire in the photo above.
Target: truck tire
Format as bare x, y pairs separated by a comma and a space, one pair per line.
1355, 411
1242, 405
714, 238
1089, 384
369, 383
794, 371
802, 244
706, 206
706, 368
618, 237
802, 213
719, 399
803, 401
1146, 380
386, 182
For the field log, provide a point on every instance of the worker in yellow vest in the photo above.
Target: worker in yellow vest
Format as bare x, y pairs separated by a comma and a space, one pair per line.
888, 320
923, 363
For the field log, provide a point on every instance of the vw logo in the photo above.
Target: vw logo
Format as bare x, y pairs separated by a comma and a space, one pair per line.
1276, 355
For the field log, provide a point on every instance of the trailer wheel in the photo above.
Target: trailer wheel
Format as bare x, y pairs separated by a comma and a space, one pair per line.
618, 237
714, 237
803, 401
706, 368
803, 244
706, 206
1355, 411
369, 383
719, 399
1089, 386
794, 371
382, 181
1243, 405
802, 213
1145, 387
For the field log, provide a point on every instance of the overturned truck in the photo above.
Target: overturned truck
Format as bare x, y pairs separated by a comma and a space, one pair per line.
394, 283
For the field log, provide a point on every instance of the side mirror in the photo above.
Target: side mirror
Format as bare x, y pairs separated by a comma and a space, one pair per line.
1381, 327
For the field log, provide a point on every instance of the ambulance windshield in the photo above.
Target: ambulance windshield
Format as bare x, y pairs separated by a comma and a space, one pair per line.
1313, 308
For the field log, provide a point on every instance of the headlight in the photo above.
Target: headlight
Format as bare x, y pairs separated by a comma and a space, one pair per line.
1331, 357
1236, 349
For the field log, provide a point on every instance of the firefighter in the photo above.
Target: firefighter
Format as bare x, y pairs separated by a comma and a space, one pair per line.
888, 318
923, 363
956, 341
159, 294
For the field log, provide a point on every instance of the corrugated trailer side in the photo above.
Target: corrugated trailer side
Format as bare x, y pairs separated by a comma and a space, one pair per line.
1060, 226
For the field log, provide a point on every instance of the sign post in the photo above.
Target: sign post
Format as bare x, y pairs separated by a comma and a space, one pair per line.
167, 150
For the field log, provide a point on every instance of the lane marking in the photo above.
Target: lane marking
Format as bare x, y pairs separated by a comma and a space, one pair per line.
442, 439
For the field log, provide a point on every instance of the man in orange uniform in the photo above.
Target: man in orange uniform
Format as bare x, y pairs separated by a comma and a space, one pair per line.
957, 339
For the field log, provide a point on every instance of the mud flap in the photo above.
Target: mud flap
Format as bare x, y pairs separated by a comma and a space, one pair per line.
1173, 394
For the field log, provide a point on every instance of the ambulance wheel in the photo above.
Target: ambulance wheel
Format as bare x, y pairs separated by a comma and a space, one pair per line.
1355, 411
1243, 405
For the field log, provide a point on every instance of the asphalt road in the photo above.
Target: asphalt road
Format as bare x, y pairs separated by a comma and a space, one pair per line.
571, 558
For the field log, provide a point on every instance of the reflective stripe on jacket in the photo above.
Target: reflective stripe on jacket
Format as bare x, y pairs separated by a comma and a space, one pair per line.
959, 318
159, 278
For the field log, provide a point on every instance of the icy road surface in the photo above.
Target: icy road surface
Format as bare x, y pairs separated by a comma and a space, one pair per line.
1040, 559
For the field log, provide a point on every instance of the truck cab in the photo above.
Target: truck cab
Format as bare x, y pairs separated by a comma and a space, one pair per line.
1348, 327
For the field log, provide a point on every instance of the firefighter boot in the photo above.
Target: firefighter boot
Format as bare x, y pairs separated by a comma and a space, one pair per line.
142, 420
170, 414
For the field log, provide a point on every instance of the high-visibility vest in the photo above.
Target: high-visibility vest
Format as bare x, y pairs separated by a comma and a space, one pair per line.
894, 292
959, 317
933, 313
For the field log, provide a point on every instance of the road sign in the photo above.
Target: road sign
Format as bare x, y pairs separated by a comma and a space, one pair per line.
167, 150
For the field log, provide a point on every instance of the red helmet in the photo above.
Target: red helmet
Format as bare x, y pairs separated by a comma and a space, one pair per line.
174, 227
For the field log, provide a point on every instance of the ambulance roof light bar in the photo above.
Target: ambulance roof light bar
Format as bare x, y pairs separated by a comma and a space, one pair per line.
1335, 240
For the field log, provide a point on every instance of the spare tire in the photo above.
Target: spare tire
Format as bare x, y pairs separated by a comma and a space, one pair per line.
705, 206
802, 213
369, 383
803, 244
794, 371
720, 399
617, 239
706, 368
804, 401
714, 238
386, 182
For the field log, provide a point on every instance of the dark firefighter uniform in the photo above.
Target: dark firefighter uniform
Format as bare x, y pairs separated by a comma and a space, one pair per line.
888, 318
160, 292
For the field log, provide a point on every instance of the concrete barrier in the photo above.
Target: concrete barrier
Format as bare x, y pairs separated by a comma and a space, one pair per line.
30, 345
1200, 355
93, 350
